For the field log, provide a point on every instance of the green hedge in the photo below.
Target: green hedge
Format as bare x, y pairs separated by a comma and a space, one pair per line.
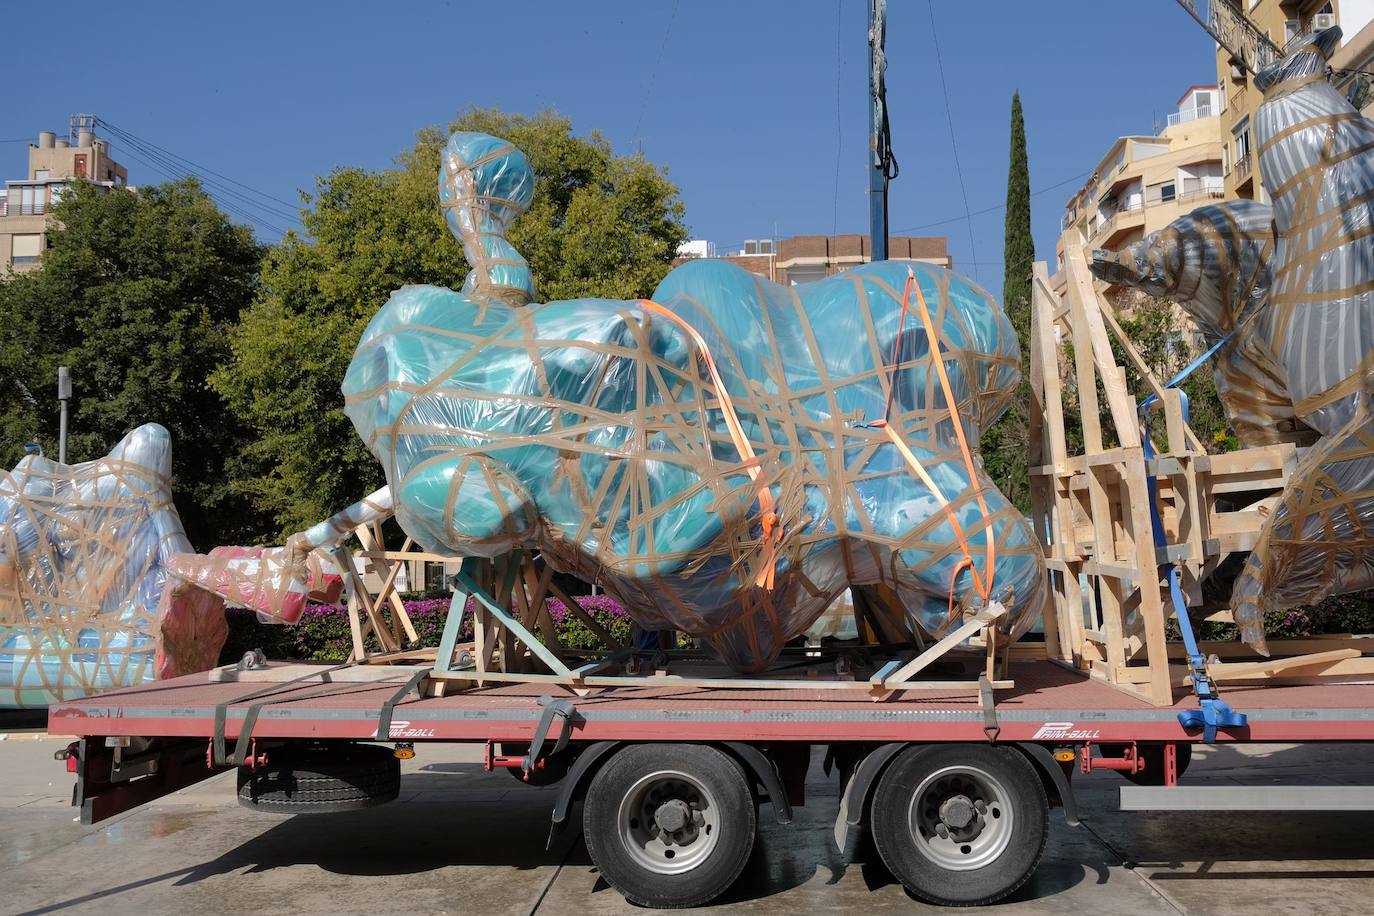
323, 635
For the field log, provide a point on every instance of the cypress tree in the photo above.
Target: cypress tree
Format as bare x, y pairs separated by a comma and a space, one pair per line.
1005, 444
1019, 248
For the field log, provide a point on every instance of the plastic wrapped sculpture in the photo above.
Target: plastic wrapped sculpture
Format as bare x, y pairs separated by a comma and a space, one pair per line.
715, 457
1216, 262
84, 553
1302, 354
99, 587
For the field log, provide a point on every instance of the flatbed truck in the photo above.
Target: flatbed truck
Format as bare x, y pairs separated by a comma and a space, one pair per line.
954, 790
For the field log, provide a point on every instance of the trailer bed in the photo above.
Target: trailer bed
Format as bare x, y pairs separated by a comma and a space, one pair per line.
1048, 703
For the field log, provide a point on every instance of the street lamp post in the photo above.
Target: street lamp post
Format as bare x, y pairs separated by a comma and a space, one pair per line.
64, 393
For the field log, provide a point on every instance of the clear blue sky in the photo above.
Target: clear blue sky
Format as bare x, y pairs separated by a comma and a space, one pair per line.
748, 103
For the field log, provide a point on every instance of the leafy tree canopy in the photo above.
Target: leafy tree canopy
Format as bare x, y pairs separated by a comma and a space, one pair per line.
136, 293
600, 225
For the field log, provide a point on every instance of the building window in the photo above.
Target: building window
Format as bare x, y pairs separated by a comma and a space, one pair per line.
1241, 133
32, 200
1166, 192
40, 175
28, 248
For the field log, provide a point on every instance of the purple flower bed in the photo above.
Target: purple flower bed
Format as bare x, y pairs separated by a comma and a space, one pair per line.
322, 634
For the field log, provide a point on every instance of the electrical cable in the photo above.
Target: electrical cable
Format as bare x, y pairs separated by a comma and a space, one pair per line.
170, 165
839, 112
290, 206
954, 145
653, 75
995, 208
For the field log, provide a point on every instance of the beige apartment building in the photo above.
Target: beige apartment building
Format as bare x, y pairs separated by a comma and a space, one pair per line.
1145, 182
803, 258
1282, 21
54, 164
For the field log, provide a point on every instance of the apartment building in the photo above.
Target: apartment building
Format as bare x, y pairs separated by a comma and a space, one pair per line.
1282, 21
803, 258
1144, 182
53, 165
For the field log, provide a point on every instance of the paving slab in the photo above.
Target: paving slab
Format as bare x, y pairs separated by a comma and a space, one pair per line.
461, 840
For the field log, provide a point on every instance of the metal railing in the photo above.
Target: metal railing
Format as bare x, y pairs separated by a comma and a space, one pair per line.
1184, 115
1242, 168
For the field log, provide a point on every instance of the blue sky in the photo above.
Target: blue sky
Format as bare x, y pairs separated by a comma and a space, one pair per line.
748, 103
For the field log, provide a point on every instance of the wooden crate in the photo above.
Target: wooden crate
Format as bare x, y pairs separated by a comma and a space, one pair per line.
1108, 608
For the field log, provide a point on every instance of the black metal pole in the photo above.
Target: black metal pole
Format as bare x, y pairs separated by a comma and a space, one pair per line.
877, 143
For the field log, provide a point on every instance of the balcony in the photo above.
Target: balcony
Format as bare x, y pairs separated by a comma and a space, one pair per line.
1242, 169
1124, 219
1191, 114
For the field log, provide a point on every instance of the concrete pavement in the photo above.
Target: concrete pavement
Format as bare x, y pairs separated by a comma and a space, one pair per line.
463, 841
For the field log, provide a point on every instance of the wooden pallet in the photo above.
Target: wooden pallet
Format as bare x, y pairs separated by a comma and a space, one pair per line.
1108, 608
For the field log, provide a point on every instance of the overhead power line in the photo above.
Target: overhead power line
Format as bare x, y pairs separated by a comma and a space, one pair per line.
993, 209
953, 143
255, 206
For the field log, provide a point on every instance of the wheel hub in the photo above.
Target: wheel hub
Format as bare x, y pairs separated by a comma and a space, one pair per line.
672, 815
960, 817
958, 812
669, 822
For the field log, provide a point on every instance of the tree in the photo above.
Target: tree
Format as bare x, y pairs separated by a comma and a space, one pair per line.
600, 225
136, 293
1005, 444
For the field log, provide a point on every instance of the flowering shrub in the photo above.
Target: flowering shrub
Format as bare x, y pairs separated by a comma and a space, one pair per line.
323, 634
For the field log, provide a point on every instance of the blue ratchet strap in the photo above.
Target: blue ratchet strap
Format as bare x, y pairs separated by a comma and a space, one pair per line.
1213, 713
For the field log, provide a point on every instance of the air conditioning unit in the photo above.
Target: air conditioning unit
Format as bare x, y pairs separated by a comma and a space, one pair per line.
751, 246
1323, 21
1292, 28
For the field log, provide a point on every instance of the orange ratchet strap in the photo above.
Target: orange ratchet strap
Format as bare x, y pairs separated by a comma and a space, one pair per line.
772, 527
984, 587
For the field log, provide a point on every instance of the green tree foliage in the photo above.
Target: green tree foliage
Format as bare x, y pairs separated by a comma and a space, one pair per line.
1005, 444
600, 225
136, 293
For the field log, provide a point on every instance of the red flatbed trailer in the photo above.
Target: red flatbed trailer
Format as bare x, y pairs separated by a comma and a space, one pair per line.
141, 743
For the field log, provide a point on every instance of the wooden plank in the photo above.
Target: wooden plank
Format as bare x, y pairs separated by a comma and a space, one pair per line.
317, 674
984, 618
1084, 372
1143, 369
1137, 516
1088, 316
1230, 671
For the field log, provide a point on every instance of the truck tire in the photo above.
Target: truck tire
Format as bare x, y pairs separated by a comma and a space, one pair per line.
321, 779
669, 825
960, 824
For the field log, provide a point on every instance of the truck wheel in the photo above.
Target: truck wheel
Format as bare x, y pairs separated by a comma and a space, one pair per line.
321, 779
669, 825
960, 824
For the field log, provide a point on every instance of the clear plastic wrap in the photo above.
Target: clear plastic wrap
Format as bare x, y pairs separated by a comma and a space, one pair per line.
1316, 154
84, 554
1302, 350
1216, 262
592, 430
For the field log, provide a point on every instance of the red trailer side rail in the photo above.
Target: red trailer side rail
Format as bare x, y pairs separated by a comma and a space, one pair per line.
1048, 704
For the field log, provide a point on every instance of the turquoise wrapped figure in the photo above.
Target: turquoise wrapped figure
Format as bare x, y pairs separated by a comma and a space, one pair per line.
725, 457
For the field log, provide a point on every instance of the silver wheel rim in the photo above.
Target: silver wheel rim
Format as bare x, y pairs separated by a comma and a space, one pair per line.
653, 807
960, 817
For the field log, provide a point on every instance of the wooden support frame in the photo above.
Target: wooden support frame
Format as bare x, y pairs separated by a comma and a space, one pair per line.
515, 640
1108, 610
